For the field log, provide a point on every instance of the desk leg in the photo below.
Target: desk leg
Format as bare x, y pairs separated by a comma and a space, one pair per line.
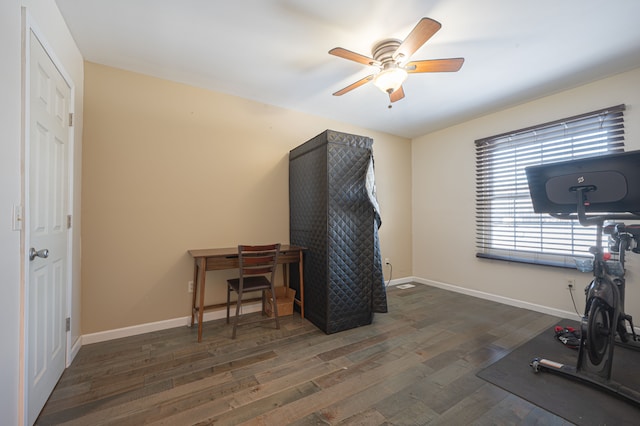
201, 280
195, 291
285, 275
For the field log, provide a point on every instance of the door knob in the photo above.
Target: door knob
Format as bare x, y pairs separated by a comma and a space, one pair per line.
33, 253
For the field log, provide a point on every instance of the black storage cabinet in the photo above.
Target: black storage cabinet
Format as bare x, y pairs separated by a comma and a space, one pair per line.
333, 216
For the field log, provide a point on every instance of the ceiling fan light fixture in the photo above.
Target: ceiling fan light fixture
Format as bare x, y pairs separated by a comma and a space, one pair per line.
389, 80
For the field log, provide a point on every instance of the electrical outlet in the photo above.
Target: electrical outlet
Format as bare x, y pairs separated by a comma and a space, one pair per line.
387, 261
190, 287
571, 283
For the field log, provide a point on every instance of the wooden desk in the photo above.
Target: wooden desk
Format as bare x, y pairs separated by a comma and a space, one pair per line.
227, 258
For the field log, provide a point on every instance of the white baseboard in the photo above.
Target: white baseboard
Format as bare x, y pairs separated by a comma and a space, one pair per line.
134, 330
398, 281
75, 347
505, 300
103, 336
500, 299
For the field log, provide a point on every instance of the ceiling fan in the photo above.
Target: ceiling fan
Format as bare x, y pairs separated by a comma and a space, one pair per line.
391, 56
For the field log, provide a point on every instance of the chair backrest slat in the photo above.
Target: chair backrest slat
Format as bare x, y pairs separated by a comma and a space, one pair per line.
258, 260
257, 271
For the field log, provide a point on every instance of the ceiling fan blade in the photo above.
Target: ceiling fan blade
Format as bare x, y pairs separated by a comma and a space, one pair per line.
354, 85
352, 56
435, 65
417, 37
397, 95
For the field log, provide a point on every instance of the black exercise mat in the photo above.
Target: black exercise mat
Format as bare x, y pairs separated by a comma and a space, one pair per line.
573, 401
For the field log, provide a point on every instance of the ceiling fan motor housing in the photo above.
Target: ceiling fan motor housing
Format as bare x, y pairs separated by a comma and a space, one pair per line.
384, 50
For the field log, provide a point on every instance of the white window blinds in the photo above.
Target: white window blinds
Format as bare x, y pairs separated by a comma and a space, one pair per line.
507, 228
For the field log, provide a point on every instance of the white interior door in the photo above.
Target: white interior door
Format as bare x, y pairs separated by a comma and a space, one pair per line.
47, 233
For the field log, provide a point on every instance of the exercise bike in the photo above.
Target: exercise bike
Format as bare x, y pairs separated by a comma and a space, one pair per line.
604, 323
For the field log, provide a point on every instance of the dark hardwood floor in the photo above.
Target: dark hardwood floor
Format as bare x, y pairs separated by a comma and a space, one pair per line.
415, 365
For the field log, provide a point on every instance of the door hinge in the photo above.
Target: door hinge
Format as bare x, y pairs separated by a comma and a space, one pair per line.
70, 119
68, 221
68, 326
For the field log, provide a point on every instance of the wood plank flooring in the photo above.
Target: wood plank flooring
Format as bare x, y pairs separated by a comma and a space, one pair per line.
415, 365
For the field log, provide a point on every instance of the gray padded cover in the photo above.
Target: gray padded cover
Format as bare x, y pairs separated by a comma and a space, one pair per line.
331, 214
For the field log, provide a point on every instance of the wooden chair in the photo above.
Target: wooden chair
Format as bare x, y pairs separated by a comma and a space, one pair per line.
257, 266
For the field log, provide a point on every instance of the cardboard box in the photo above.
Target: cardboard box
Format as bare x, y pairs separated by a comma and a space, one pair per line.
284, 297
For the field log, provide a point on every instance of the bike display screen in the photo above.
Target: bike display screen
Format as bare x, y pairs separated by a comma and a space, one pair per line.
608, 183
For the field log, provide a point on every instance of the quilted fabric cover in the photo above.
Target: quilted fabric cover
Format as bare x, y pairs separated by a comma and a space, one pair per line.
331, 214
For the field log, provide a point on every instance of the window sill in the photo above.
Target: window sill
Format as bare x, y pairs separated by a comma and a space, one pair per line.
525, 260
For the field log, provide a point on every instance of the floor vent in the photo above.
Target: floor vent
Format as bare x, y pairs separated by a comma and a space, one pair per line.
405, 286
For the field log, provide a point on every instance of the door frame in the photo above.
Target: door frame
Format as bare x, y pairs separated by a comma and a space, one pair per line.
29, 26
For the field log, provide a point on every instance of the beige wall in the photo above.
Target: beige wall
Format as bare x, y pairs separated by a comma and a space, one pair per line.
443, 168
169, 167
161, 175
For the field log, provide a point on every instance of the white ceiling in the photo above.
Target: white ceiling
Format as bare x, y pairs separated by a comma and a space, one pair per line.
275, 51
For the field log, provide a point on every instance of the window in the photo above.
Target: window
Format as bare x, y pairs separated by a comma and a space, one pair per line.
507, 227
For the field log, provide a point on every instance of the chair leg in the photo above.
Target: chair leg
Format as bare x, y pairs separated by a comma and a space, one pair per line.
228, 301
235, 321
275, 306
